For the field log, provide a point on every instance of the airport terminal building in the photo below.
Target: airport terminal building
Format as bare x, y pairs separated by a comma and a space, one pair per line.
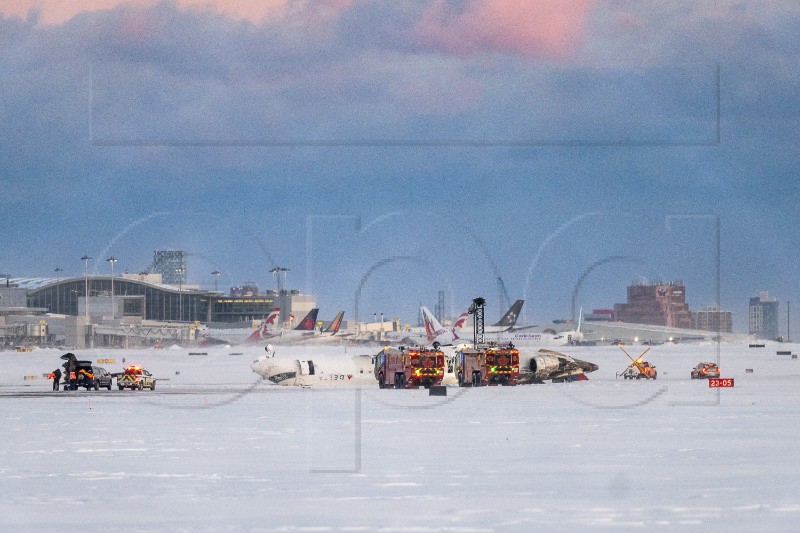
134, 299
99, 309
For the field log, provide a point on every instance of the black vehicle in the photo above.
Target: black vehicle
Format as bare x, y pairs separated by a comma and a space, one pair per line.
102, 377
78, 374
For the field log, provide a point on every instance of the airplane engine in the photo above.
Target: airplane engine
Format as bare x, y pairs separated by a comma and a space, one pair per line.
544, 366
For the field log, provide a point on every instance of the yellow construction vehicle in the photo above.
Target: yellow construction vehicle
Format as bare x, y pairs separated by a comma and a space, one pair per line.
639, 368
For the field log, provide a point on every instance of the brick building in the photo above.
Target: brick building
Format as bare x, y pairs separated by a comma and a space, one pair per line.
661, 304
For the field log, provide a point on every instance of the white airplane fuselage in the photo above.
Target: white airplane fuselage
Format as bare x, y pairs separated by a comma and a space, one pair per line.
326, 371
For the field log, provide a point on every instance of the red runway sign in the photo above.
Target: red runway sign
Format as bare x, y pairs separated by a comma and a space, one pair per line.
720, 382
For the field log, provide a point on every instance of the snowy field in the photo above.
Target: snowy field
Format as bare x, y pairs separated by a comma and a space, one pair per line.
215, 448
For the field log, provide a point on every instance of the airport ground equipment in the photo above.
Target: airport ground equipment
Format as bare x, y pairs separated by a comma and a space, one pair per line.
409, 368
487, 365
639, 368
136, 378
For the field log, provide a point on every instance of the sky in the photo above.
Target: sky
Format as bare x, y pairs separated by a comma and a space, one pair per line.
385, 151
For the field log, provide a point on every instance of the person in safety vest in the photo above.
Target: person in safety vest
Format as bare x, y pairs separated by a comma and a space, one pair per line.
55, 375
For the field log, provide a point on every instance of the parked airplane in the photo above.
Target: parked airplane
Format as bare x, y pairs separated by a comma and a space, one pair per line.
437, 333
242, 335
306, 330
329, 334
571, 337
463, 329
523, 339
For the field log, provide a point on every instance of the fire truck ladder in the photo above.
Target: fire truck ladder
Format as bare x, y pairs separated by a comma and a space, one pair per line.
476, 310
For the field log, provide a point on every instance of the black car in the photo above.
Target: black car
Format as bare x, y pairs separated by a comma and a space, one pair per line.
102, 377
81, 377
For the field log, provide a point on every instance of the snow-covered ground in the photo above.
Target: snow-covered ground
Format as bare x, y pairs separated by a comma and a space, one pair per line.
216, 448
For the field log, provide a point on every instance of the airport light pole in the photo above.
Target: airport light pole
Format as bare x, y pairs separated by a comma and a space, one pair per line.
58, 292
86, 260
180, 271
112, 260
276, 273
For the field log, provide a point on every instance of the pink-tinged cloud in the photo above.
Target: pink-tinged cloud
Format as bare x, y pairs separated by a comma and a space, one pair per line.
543, 28
60, 11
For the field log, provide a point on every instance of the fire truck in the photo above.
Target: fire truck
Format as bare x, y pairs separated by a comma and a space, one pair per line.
408, 369
487, 365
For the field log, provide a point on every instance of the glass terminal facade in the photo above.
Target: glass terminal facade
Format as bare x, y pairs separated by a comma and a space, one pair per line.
151, 302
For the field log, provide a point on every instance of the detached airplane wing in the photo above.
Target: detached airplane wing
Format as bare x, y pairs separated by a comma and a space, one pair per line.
556, 366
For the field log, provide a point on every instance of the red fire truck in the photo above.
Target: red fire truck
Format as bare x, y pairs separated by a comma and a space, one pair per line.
487, 365
409, 368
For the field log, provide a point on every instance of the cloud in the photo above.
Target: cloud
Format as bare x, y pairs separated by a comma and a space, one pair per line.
51, 12
423, 70
541, 28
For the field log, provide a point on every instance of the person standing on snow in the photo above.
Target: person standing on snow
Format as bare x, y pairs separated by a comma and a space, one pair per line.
56, 375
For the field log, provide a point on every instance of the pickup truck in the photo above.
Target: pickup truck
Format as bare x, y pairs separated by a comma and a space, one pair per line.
136, 378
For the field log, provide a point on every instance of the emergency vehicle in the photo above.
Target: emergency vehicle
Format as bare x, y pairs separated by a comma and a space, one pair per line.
135, 377
487, 365
705, 371
408, 369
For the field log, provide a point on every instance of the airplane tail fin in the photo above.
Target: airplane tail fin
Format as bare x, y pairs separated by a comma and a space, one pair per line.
262, 332
257, 334
309, 322
432, 326
461, 321
510, 318
272, 318
334, 326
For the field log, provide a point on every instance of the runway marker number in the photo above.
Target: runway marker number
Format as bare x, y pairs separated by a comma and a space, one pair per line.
715, 383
